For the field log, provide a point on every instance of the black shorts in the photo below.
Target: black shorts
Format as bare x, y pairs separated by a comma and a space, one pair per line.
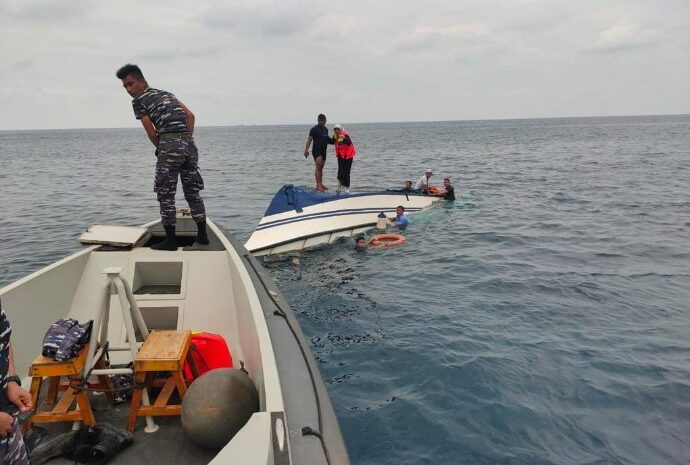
319, 155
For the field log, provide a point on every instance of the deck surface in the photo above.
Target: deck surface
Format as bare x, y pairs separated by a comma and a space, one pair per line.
169, 445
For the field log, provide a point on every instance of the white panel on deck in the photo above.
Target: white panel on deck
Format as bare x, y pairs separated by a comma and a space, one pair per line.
118, 236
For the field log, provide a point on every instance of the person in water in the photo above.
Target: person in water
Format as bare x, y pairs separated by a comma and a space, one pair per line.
400, 218
318, 140
423, 183
360, 244
449, 194
170, 126
345, 152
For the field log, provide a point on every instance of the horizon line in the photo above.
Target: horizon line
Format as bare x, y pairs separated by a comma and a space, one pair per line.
365, 122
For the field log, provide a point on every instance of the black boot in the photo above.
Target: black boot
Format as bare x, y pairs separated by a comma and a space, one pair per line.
49, 448
170, 243
110, 441
201, 235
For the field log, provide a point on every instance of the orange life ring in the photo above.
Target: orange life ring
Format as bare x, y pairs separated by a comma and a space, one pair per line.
433, 190
387, 240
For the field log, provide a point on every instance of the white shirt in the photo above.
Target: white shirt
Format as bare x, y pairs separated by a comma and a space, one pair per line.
423, 183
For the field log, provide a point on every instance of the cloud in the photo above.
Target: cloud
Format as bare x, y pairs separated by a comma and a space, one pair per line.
23, 65
177, 53
263, 61
426, 38
460, 43
44, 10
265, 20
624, 35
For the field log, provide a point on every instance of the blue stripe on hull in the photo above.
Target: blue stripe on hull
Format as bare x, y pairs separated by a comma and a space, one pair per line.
296, 198
331, 213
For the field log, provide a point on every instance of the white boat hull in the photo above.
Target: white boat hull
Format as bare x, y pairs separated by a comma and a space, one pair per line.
334, 217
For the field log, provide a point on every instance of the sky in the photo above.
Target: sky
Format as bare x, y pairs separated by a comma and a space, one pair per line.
283, 62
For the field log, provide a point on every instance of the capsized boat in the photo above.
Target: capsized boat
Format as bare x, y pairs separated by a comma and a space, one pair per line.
298, 218
219, 288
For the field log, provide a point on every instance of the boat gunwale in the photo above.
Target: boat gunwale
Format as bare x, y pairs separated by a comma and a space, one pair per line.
48, 268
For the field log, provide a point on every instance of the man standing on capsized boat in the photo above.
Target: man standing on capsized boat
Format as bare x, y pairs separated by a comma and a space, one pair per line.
319, 140
169, 125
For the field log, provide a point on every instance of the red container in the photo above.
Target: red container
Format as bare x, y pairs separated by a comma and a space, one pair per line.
209, 351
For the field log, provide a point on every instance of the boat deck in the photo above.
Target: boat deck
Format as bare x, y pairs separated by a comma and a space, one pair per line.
169, 445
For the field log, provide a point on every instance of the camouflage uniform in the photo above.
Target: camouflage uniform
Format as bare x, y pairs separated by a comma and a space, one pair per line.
65, 338
177, 154
12, 448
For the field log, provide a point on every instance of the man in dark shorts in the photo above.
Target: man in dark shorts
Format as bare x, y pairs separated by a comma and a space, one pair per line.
169, 125
318, 135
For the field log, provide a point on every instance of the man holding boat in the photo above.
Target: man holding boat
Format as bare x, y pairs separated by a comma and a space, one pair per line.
169, 125
401, 220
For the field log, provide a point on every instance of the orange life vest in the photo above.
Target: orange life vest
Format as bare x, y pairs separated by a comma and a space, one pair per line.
342, 150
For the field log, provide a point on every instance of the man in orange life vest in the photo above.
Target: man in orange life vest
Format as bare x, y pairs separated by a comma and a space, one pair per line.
345, 153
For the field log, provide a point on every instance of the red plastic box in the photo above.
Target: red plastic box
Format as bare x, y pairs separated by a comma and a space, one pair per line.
209, 351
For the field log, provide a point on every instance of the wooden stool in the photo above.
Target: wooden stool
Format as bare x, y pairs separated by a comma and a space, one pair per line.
163, 351
45, 367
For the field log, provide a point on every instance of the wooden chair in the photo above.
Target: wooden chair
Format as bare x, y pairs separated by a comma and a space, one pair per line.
163, 351
45, 367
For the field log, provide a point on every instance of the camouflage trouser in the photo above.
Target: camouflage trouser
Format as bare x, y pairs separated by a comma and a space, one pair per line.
12, 449
178, 156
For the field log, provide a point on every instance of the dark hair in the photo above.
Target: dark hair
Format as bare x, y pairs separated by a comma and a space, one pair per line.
400, 206
130, 70
321, 117
446, 179
359, 238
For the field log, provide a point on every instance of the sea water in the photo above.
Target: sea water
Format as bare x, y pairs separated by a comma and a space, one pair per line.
541, 318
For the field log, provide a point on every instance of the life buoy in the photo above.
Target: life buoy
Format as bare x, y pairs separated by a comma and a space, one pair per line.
433, 190
387, 240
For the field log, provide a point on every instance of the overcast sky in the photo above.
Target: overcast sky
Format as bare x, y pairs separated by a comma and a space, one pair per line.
274, 62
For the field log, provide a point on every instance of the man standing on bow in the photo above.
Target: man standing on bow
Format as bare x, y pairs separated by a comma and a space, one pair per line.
169, 125
319, 140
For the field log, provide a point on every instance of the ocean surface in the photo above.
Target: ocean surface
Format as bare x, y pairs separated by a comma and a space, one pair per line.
541, 318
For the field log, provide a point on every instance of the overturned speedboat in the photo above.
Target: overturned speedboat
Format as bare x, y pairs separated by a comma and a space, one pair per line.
219, 288
299, 218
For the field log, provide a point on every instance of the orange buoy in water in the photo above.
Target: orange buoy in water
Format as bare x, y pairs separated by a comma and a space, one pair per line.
387, 240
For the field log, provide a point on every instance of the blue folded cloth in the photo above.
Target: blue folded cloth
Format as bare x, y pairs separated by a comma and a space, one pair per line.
65, 338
